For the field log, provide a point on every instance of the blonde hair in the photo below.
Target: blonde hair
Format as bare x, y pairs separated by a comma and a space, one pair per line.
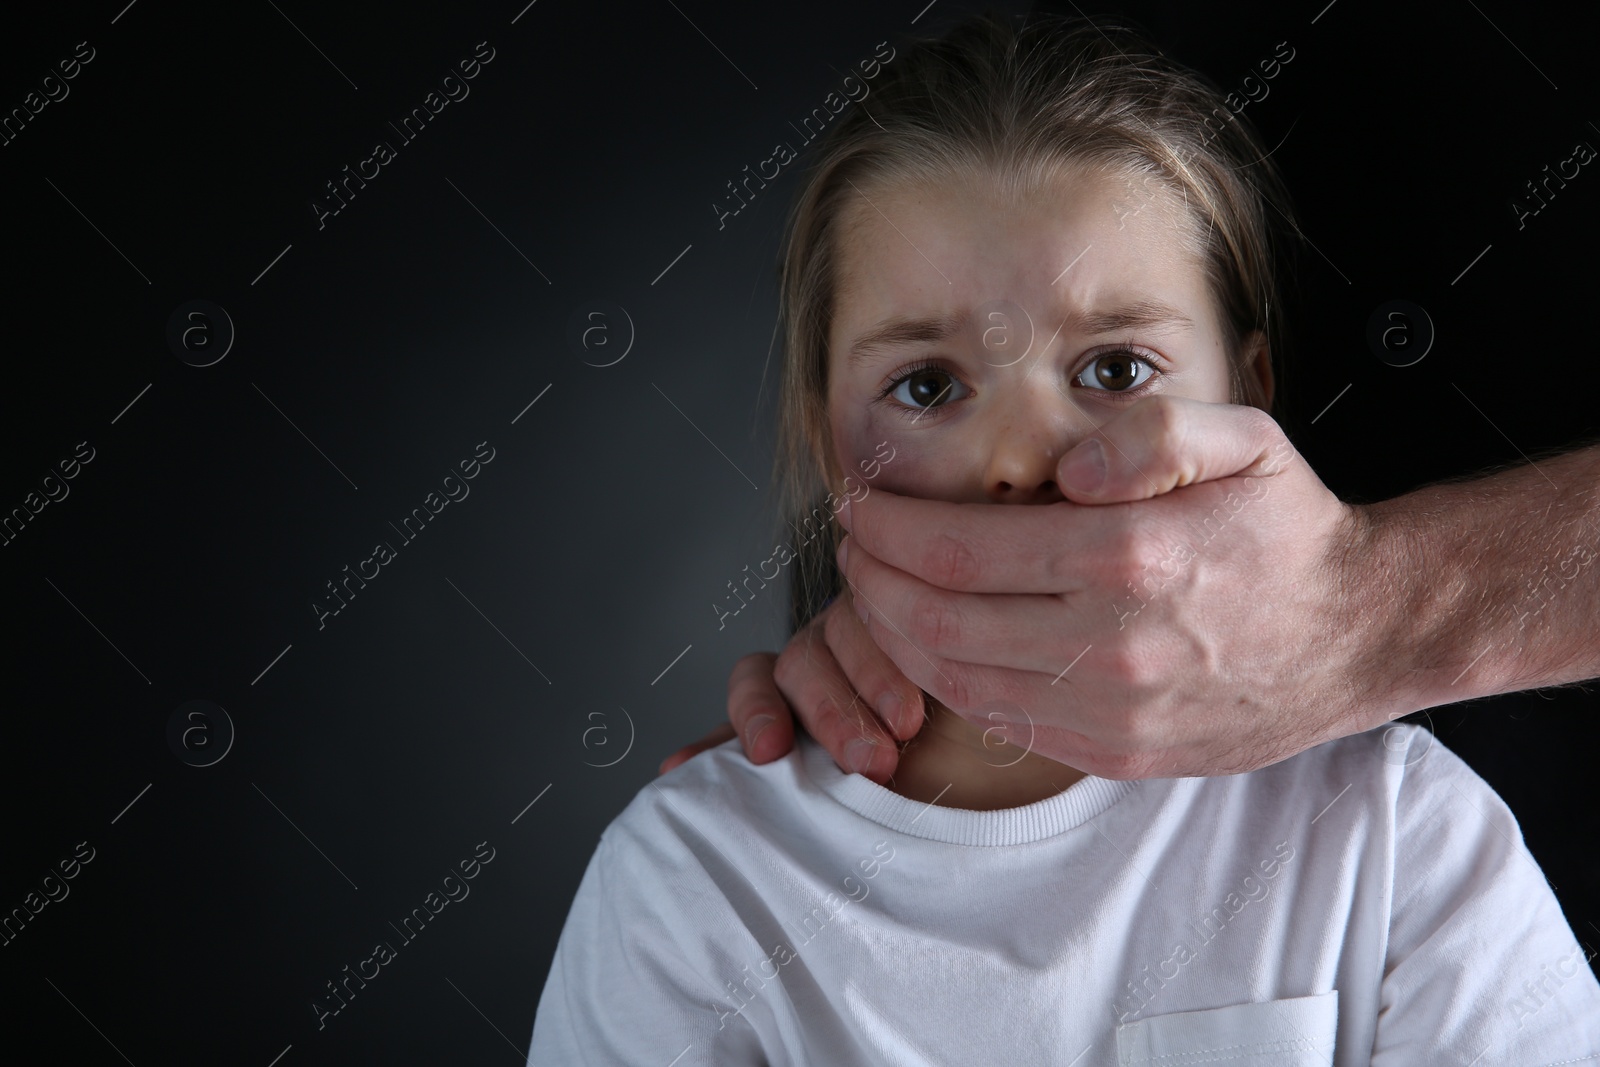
1019, 103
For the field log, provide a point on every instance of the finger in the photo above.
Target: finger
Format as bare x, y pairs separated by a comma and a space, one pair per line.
1011, 630
973, 548
757, 710
962, 687
722, 733
895, 698
1163, 442
815, 686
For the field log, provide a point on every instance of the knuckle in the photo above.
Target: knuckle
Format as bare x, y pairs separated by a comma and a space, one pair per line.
1121, 664
951, 563
955, 685
823, 717
750, 672
791, 666
1163, 428
1004, 687
1140, 546
1162, 417
852, 647
861, 719
1124, 564
832, 717
935, 622
836, 628
796, 645
1260, 423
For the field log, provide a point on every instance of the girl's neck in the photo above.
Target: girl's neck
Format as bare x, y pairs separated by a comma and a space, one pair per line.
959, 764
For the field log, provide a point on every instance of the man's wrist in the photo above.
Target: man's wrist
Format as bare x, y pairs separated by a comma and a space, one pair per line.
1384, 599
1409, 578
1478, 586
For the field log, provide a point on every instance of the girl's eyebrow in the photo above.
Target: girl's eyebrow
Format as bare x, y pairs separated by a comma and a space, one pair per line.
898, 332
1136, 315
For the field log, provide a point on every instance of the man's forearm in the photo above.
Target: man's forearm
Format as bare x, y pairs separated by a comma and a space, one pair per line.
1492, 585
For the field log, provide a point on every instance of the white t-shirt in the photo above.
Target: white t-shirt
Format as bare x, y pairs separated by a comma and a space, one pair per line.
1367, 901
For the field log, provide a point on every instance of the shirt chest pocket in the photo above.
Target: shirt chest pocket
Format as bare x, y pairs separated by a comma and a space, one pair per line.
1283, 1033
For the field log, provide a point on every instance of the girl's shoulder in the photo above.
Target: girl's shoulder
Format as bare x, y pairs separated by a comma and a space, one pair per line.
1391, 782
1397, 766
717, 796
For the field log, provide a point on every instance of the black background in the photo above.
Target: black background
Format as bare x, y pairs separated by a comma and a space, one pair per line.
522, 639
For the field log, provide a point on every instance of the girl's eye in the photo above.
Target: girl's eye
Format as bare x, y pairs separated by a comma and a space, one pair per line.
925, 387
1116, 372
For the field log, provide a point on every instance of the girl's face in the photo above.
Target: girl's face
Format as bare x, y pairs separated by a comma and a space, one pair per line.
983, 338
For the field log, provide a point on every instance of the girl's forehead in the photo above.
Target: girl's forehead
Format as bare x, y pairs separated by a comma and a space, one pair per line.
1023, 192
1074, 241
1012, 215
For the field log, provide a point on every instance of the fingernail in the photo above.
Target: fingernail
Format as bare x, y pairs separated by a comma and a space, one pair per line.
889, 706
753, 730
844, 514
843, 555
858, 754
1085, 467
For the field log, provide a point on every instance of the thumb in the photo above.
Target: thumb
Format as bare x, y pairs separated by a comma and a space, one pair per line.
1164, 442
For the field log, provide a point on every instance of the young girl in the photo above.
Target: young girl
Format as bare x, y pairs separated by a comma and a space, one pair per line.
1020, 231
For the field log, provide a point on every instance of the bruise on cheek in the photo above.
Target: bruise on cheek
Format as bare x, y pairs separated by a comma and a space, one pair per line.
876, 452
899, 466
858, 444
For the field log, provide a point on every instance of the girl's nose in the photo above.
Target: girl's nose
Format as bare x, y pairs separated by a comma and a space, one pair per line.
1035, 485
1022, 466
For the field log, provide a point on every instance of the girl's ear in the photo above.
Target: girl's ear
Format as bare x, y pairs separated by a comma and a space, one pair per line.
1257, 367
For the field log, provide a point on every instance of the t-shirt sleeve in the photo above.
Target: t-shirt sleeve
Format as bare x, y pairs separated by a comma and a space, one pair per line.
620, 991
1482, 967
